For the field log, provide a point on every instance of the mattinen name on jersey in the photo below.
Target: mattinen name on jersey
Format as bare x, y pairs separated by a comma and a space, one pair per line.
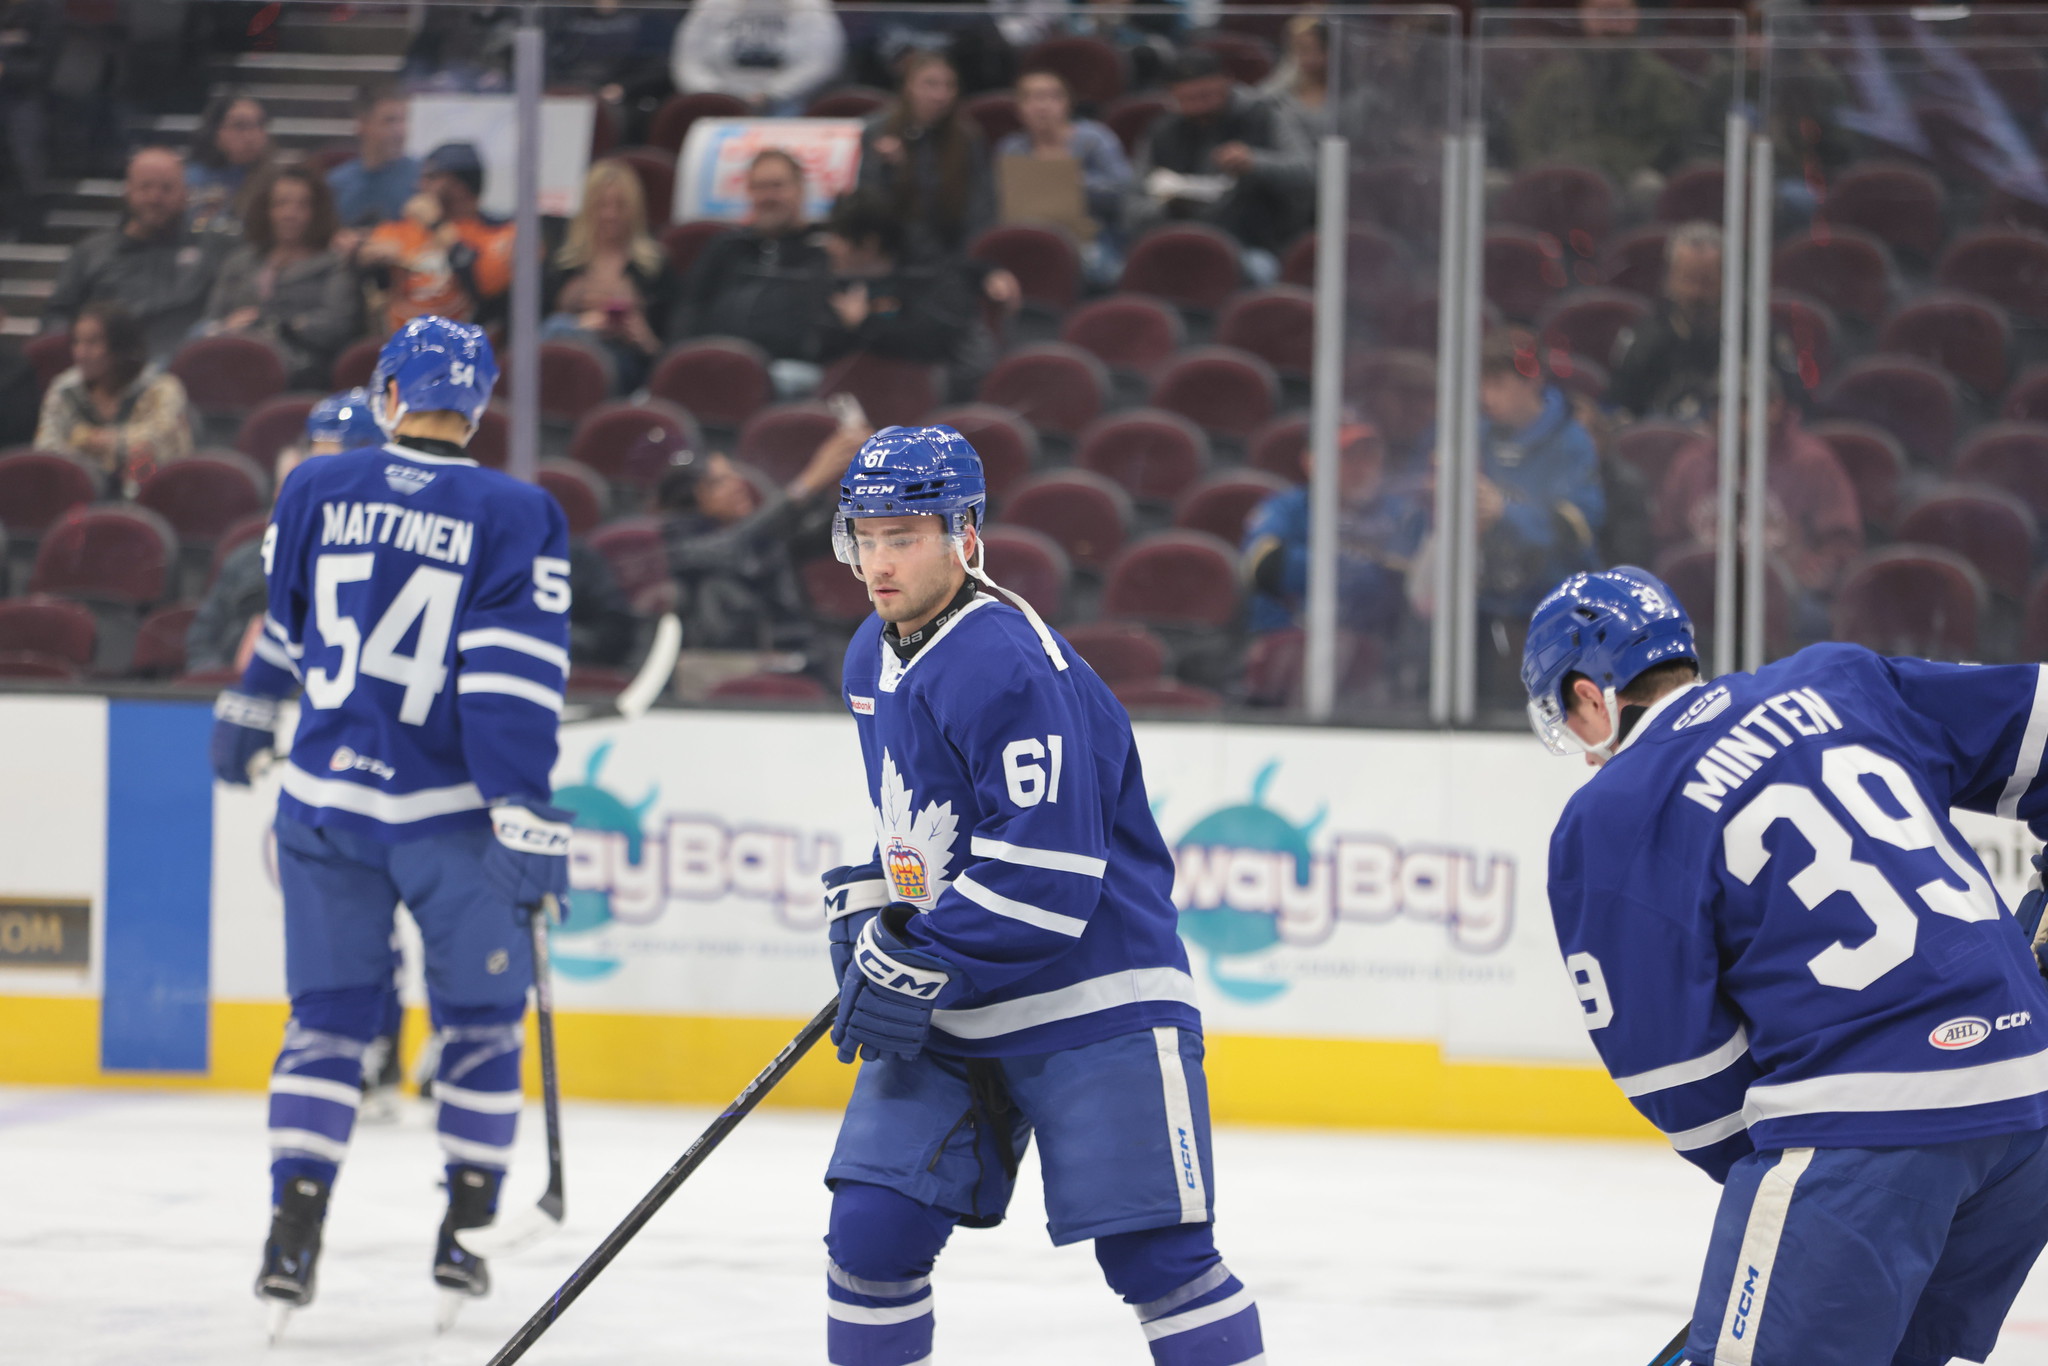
448, 539
1771, 726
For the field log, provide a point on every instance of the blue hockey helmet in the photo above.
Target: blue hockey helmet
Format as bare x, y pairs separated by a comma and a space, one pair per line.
1609, 626
908, 472
441, 366
347, 418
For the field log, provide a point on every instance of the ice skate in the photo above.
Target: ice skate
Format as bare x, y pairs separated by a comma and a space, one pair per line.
461, 1274
292, 1251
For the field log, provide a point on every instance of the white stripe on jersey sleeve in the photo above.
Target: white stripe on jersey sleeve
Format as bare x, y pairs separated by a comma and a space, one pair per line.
1708, 1134
1691, 1070
392, 808
1950, 1088
276, 628
1018, 910
511, 685
2027, 766
1052, 860
1068, 1002
503, 638
272, 653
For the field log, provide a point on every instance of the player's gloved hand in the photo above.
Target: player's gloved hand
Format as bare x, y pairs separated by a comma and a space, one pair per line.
853, 893
530, 858
2028, 912
886, 1001
244, 728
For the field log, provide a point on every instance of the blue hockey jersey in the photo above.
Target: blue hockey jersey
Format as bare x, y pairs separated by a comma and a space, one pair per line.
1010, 809
1778, 936
423, 601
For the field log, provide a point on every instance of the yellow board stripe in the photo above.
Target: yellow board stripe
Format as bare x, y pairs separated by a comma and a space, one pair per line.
701, 1060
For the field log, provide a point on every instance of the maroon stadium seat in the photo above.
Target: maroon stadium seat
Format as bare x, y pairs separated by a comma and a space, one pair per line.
1911, 600
48, 355
160, 642
1094, 70
1524, 270
1219, 388
1247, 59
1635, 260
50, 627
1379, 270
1652, 446
1962, 334
834, 593
1277, 325
1132, 117
1154, 456
1397, 390
228, 376
894, 393
1189, 265
995, 113
1694, 193
1988, 527
1809, 328
721, 381
579, 490
1223, 503
203, 495
1403, 196
1119, 651
1901, 205
671, 122
1690, 572
769, 687
1845, 268
115, 554
633, 443
1127, 332
2027, 399
1030, 564
847, 102
633, 547
656, 169
1277, 447
1044, 260
354, 366
1087, 515
573, 380
685, 242
1174, 579
2008, 266
1055, 387
2012, 456
781, 440
1007, 445
38, 487
2034, 622
1577, 374
278, 423
1587, 322
1875, 463
1168, 695
1573, 204
1903, 394
249, 529
491, 447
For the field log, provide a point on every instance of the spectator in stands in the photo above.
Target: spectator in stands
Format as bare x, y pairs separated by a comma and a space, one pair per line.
765, 282
620, 53
1669, 365
1609, 105
153, 263
443, 256
113, 408
28, 52
285, 283
462, 47
887, 305
1813, 522
774, 54
1224, 156
1045, 106
927, 158
1299, 86
373, 186
728, 546
610, 281
1380, 529
230, 152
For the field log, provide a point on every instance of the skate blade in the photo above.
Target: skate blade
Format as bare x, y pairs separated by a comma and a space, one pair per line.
448, 1308
513, 1234
280, 1315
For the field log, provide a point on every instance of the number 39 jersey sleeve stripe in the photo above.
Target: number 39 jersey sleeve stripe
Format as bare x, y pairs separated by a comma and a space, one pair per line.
423, 601
1777, 936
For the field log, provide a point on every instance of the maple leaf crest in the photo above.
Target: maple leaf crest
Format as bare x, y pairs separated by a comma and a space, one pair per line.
930, 831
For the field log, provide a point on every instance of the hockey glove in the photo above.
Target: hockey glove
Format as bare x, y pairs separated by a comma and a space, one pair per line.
885, 1003
244, 729
852, 896
2028, 913
530, 858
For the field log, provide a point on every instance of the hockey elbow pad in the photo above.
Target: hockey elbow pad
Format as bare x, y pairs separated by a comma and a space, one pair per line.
853, 893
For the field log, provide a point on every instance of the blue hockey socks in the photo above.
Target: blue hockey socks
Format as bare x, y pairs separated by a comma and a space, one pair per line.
878, 1289
1193, 1311
318, 1082
477, 1084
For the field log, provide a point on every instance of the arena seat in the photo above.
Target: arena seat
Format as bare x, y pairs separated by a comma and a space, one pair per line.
1964, 335
48, 627
1651, 447
49, 355
995, 113
1130, 333
847, 102
633, 443
1277, 325
1809, 327
1221, 389
113, 553
573, 380
1119, 651
1635, 260
160, 642
1403, 195
685, 242
1379, 270
491, 446
1045, 261
1094, 70
1588, 322
1223, 503
720, 381
1690, 572
249, 529
1131, 119
634, 549
781, 440
2027, 399
671, 123
834, 594
1031, 565
1990, 528
354, 366
1573, 204
225, 377
1396, 388
656, 169
1902, 394
1174, 579
2007, 266
581, 493
1911, 600
2012, 456
1153, 455
1248, 59
1168, 695
894, 393
273, 425
1845, 268
1875, 463
1693, 193
2034, 621
1055, 387
1190, 265
1087, 515
27, 665
1007, 445
1277, 447
1524, 269
203, 495
769, 687
1899, 204
39, 487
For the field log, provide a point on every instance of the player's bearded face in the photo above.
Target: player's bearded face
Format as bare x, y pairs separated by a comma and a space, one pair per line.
908, 565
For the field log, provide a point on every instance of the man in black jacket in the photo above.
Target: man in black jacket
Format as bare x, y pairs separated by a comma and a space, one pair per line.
1669, 365
1226, 157
885, 306
764, 282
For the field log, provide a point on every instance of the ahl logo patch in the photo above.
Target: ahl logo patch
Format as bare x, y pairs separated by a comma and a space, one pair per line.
1965, 1032
406, 479
1705, 708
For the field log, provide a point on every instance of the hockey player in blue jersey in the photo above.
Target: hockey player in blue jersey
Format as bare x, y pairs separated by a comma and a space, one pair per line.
422, 601
1798, 970
1008, 961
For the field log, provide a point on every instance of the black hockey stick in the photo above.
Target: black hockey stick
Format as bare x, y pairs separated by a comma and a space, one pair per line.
1674, 1350
693, 1158
530, 1226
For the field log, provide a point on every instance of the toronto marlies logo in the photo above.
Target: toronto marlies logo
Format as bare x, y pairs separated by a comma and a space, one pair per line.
917, 849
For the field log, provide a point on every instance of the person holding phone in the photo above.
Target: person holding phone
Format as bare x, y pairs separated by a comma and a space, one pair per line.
610, 277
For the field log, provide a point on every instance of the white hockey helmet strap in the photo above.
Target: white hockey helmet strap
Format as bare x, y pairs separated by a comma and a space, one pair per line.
976, 572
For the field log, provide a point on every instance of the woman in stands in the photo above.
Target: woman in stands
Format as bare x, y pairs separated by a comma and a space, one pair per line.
610, 280
229, 152
111, 408
285, 283
1045, 106
927, 157
1299, 87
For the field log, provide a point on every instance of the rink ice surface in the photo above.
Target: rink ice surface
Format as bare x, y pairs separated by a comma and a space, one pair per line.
130, 1223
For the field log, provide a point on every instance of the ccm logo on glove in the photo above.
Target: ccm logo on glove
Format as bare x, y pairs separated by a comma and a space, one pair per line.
520, 829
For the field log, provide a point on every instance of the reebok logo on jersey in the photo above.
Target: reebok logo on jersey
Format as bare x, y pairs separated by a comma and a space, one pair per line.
1964, 1032
862, 706
407, 479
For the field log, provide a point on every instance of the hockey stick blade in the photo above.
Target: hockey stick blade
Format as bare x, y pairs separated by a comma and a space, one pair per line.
655, 672
1674, 1350
516, 1233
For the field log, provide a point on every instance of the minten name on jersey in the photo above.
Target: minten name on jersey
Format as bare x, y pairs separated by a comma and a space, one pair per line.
448, 539
1767, 728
